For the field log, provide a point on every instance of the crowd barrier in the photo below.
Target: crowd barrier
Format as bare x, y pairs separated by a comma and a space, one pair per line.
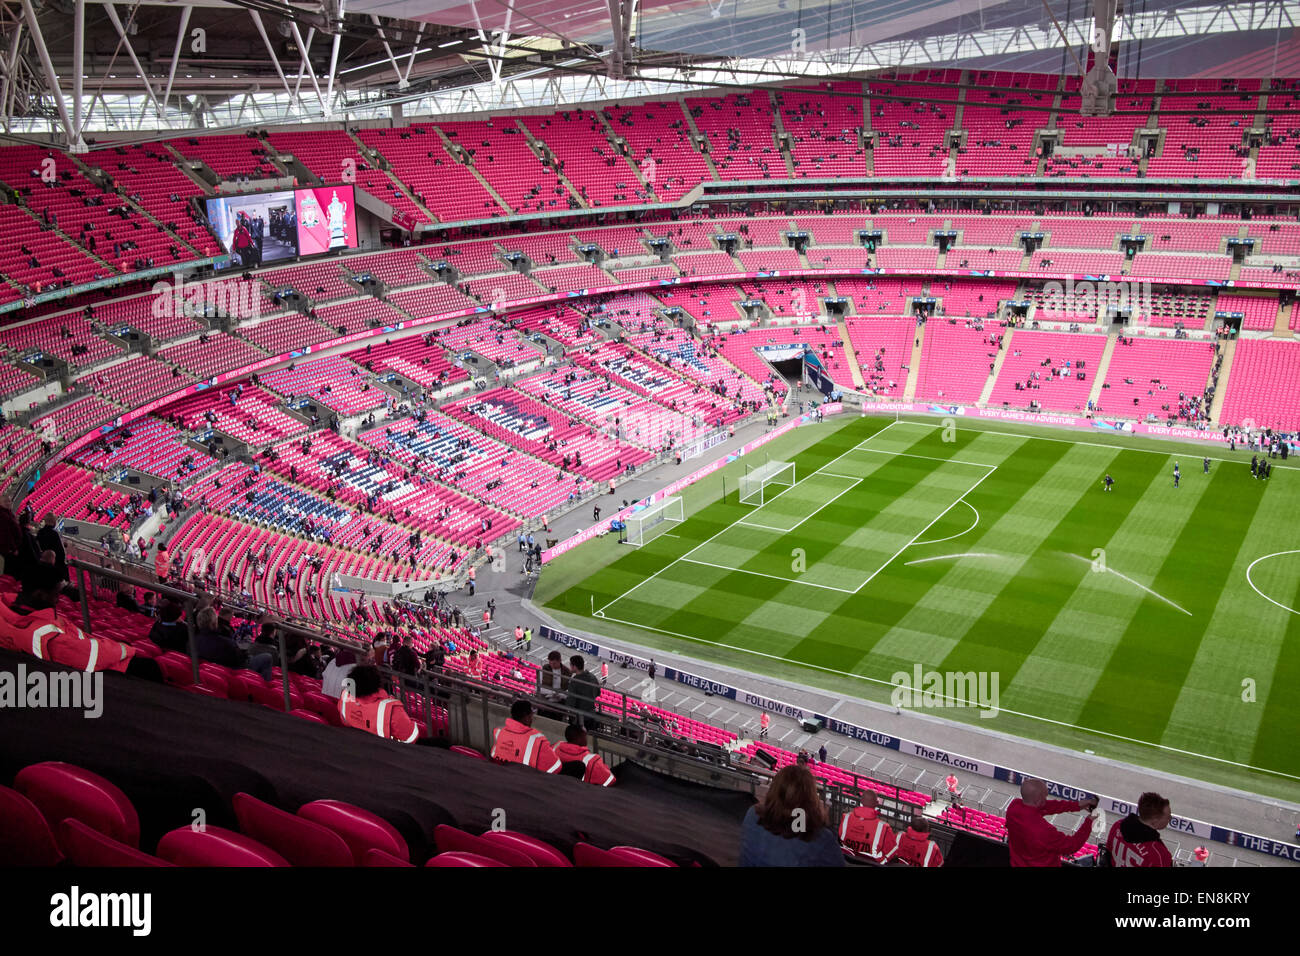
957, 762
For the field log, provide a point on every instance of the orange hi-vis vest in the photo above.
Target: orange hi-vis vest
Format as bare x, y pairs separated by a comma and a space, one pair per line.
378, 714
863, 832
51, 637
917, 849
594, 770
519, 743
162, 566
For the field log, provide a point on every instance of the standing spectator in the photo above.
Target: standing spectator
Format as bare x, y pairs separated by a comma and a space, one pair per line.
555, 677
651, 670
1032, 840
1135, 840
915, 847
788, 826
584, 688
10, 537
405, 660
821, 754
764, 722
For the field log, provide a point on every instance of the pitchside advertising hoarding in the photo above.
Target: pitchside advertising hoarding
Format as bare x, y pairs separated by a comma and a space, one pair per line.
259, 229
958, 763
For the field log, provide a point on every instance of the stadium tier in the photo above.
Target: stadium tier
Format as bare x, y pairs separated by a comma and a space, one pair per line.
1024, 375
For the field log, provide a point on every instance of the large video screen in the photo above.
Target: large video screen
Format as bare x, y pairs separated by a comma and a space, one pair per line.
259, 229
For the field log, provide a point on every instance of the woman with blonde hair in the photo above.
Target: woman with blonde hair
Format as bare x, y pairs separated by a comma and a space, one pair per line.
788, 826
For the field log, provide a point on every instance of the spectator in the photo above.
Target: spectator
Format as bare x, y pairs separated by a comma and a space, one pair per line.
914, 847
578, 761
168, 632
364, 704
517, 742
222, 649
1135, 840
10, 537
339, 667
1032, 840
863, 832
584, 689
49, 539
405, 660
788, 826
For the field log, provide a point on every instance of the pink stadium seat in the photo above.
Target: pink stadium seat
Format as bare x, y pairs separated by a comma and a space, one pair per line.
215, 846
309, 716
584, 854
324, 707
380, 858
451, 840
61, 790
87, 847
542, 854
360, 829
25, 836
467, 751
462, 859
297, 839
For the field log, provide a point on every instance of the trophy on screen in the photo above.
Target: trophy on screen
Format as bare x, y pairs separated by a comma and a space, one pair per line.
337, 224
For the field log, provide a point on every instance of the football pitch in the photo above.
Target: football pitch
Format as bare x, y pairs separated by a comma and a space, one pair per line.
1152, 623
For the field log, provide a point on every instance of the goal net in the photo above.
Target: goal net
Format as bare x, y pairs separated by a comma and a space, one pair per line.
755, 485
649, 522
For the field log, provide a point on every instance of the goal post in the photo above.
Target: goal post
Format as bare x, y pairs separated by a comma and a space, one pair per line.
754, 484
644, 525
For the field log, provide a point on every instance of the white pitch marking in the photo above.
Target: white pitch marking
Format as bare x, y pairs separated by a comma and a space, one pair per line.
1004, 710
724, 530
958, 534
761, 574
1275, 554
1136, 584
949, 557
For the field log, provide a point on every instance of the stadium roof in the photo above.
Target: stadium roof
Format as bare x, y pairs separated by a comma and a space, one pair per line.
165, 66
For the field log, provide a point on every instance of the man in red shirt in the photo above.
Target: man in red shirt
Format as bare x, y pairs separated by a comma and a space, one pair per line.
1032, 840
1135, 840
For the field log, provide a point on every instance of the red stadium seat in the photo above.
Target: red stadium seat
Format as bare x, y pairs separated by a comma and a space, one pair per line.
323, 706
467, 751
584, 854
451, 840
25, 837
297, 839
215, 846
380, 858
308, 716
87, 847
543, 854
462, 859
61, 790
360, 829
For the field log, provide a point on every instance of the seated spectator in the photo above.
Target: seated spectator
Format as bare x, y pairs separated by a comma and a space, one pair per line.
1031, 839
126, 600
578, 761
169, 631
517, 742
788, 826
222, 649
364, 704
863, 832
340, 665
1135, 840
915, 848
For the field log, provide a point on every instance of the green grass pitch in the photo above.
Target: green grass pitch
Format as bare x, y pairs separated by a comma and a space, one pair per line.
1140, 623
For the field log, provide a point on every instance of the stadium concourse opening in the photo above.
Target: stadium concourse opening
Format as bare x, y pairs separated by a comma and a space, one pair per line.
950, 409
